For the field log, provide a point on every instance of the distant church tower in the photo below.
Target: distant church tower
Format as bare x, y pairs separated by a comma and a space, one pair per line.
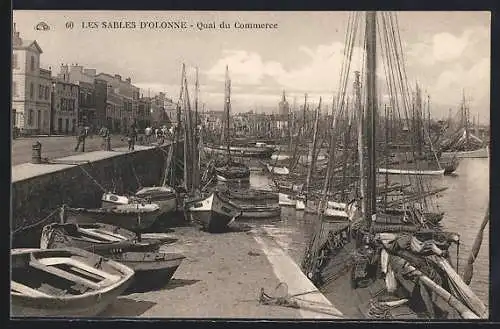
283, 106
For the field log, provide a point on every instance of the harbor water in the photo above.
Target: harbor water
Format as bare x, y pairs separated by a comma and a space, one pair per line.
464, 203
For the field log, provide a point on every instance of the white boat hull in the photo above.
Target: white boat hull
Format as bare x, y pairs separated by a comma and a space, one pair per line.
278, 170
285, 200
410, 172
481, 153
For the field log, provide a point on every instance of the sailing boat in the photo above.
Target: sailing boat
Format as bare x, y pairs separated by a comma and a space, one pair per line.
230, 170
211, 210
464, 144
368, 267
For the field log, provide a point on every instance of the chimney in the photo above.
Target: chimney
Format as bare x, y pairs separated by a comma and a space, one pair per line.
128, 80
118, 77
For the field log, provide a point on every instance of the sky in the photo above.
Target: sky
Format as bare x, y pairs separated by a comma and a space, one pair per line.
446, 53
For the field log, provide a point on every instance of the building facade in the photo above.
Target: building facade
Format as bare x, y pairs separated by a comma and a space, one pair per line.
31, 88
122, 101
65, 107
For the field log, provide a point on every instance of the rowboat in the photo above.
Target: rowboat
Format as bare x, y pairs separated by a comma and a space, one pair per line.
65, 282
96, 237
164, 196
152, 269
212, 212
130, 216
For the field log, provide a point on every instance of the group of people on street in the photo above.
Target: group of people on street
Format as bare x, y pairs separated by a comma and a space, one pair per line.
131, 134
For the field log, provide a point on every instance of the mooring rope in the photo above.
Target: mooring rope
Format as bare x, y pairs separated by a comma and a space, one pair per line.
22, 228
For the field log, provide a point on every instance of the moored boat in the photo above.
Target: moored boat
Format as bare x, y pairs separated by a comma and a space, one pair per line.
96, 237
233, 172
479, 153
212, 212
130, 216
261, 152
277, 170
65, 282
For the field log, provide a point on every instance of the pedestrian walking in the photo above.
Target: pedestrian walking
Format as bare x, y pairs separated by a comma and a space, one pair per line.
81, 135
148, 132
104, 133
131, 137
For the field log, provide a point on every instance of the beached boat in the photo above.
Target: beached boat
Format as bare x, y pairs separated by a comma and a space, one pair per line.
212, 212
258, 207
164, 196
130, 216
152, 269
150, 266
251, 195
286, 200
97, 237
65, 282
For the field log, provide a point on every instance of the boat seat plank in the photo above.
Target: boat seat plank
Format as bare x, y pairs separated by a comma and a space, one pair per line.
25, 290
47, 266
102, 234
78, 264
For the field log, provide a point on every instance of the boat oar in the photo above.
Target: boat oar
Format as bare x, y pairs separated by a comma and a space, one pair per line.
469, 268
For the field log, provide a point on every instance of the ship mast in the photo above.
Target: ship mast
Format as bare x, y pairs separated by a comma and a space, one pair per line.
227, 108
371, 102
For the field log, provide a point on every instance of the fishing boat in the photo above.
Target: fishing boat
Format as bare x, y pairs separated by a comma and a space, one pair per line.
378, 266
212, 212
463, 143
130, 216
97, 237
251, 195
65, 282
231, 171
286, 200
259, 204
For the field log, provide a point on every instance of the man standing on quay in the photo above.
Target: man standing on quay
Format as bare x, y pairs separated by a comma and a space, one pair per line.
104, 133
131, 137
81, 134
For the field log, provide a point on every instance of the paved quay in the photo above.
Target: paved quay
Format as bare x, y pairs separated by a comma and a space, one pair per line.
56, 146
221, 277
29, 170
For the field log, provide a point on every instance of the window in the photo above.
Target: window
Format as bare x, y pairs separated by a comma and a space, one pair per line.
14, 61
32, 90
32, 64
40, 91
30, 117
47, 91
14, 88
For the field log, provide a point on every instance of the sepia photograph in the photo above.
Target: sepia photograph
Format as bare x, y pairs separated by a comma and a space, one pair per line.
250, 165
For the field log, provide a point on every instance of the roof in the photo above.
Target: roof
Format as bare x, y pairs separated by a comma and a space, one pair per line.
26, 44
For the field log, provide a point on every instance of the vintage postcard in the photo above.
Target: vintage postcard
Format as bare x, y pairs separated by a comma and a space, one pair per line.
204, 164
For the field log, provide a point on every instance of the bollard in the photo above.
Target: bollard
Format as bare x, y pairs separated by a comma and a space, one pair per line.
36, 156
108, 143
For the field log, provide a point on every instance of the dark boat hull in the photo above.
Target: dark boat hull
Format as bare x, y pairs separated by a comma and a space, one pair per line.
127, 220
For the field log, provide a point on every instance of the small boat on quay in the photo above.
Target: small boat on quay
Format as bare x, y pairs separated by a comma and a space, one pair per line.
65, 282
97, 237
212, 212
151, 267
129, 216
164, 196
